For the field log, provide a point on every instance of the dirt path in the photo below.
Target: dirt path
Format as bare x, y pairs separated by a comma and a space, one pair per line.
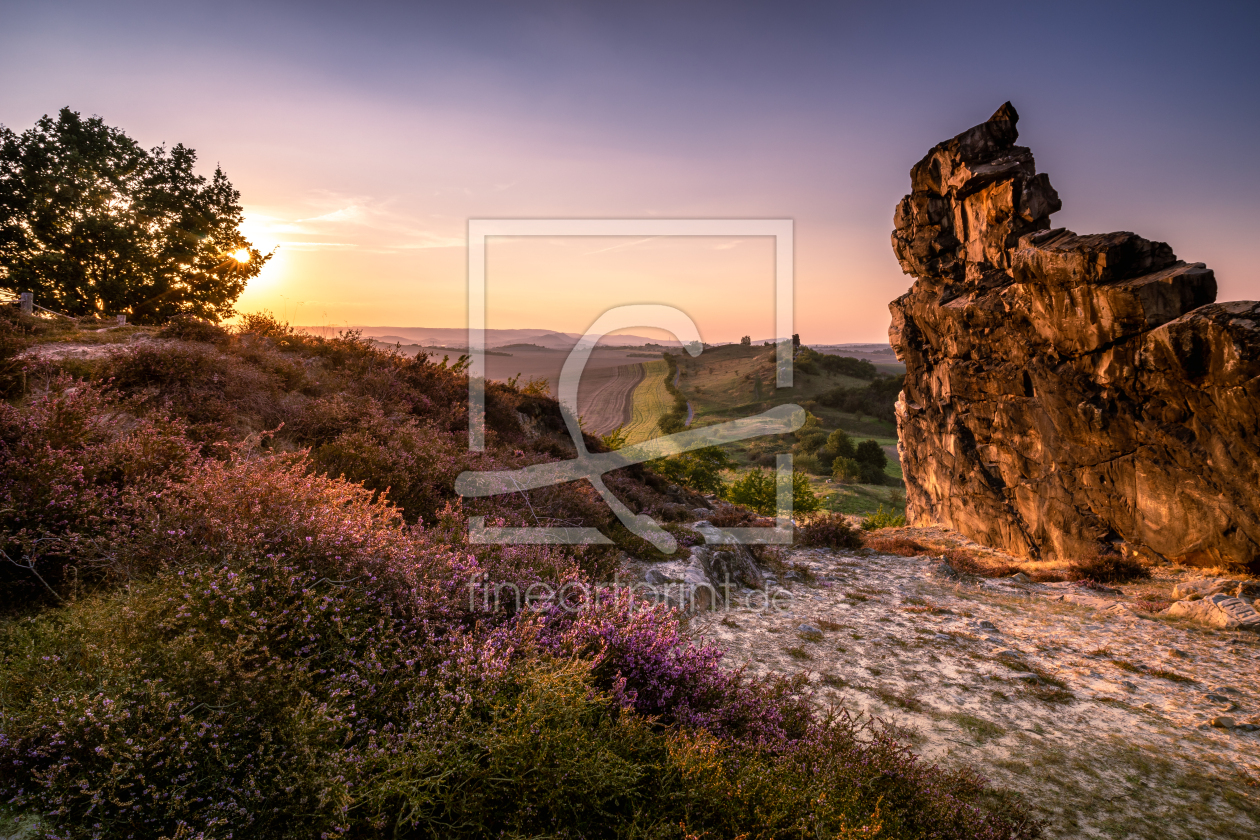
1098, 715
604, 399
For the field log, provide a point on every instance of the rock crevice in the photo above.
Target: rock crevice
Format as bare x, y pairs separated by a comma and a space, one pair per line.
1067, 393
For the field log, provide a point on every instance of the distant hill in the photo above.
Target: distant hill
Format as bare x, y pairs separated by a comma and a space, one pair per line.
456, 338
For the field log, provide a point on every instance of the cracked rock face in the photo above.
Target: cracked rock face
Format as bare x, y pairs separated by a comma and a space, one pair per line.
1066, 393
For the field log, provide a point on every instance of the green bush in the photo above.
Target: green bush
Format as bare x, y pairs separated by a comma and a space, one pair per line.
700, 469
756, 490
809, 463
883, 519
811, 440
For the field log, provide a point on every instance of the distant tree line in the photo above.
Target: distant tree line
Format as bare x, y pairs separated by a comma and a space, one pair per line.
812, 362
878, 399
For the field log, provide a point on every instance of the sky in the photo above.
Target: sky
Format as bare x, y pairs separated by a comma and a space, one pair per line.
364, 136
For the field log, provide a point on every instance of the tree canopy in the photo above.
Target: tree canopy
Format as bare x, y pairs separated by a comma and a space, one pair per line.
94, 224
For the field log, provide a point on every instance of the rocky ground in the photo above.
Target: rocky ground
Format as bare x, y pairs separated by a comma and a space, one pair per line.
1111, 720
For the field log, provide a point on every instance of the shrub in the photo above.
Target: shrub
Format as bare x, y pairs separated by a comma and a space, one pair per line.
899, 545
1108, 567
969, 563
840, 444
829, 530
271, 700
674, 420
614, 440
13, 341
192, 328
756, 490
218, 394
883, 519
809, 464
730, 516
414, 463
846, 469
810, 440
870, 452
76, 483
871, 462
700, 469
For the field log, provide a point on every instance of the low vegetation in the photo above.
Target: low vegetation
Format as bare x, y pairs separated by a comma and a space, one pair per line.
883, 519
829, 530
1108, 567
240, 601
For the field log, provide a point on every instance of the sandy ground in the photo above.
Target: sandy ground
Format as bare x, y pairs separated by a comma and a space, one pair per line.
1097, 714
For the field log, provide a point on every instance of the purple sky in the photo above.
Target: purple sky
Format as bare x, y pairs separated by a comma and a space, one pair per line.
363, 136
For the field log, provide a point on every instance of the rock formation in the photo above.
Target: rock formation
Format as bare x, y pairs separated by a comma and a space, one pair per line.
1067, 394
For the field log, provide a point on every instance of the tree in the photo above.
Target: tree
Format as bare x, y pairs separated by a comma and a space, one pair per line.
746, 341
871, 462
870, 452
841, 444
94, 224
846, 469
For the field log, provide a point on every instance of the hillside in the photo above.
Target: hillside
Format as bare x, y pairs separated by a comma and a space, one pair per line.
732, 381
239, 599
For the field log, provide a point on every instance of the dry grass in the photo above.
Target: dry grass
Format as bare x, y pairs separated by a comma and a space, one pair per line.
650, 401
1108, 567
895, 544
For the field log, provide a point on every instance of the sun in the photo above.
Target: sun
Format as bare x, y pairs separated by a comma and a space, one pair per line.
241, 255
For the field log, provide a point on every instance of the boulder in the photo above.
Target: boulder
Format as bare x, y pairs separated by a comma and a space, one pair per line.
1067, 393
1194, 589
697, 592
1221, 611
727, 561
729, 567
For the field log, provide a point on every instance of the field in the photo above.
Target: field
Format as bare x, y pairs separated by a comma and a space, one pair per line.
650, 400
604, 399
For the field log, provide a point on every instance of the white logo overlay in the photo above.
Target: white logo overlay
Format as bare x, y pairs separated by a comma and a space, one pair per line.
593, 465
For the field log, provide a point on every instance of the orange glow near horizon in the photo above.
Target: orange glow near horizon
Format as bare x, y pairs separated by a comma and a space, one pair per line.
353, 265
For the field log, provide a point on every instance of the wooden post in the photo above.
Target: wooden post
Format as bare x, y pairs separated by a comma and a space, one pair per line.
122, 320
28, 303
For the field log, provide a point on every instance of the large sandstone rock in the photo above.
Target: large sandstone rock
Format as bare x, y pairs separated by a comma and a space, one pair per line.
1067, 393
1220, 611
